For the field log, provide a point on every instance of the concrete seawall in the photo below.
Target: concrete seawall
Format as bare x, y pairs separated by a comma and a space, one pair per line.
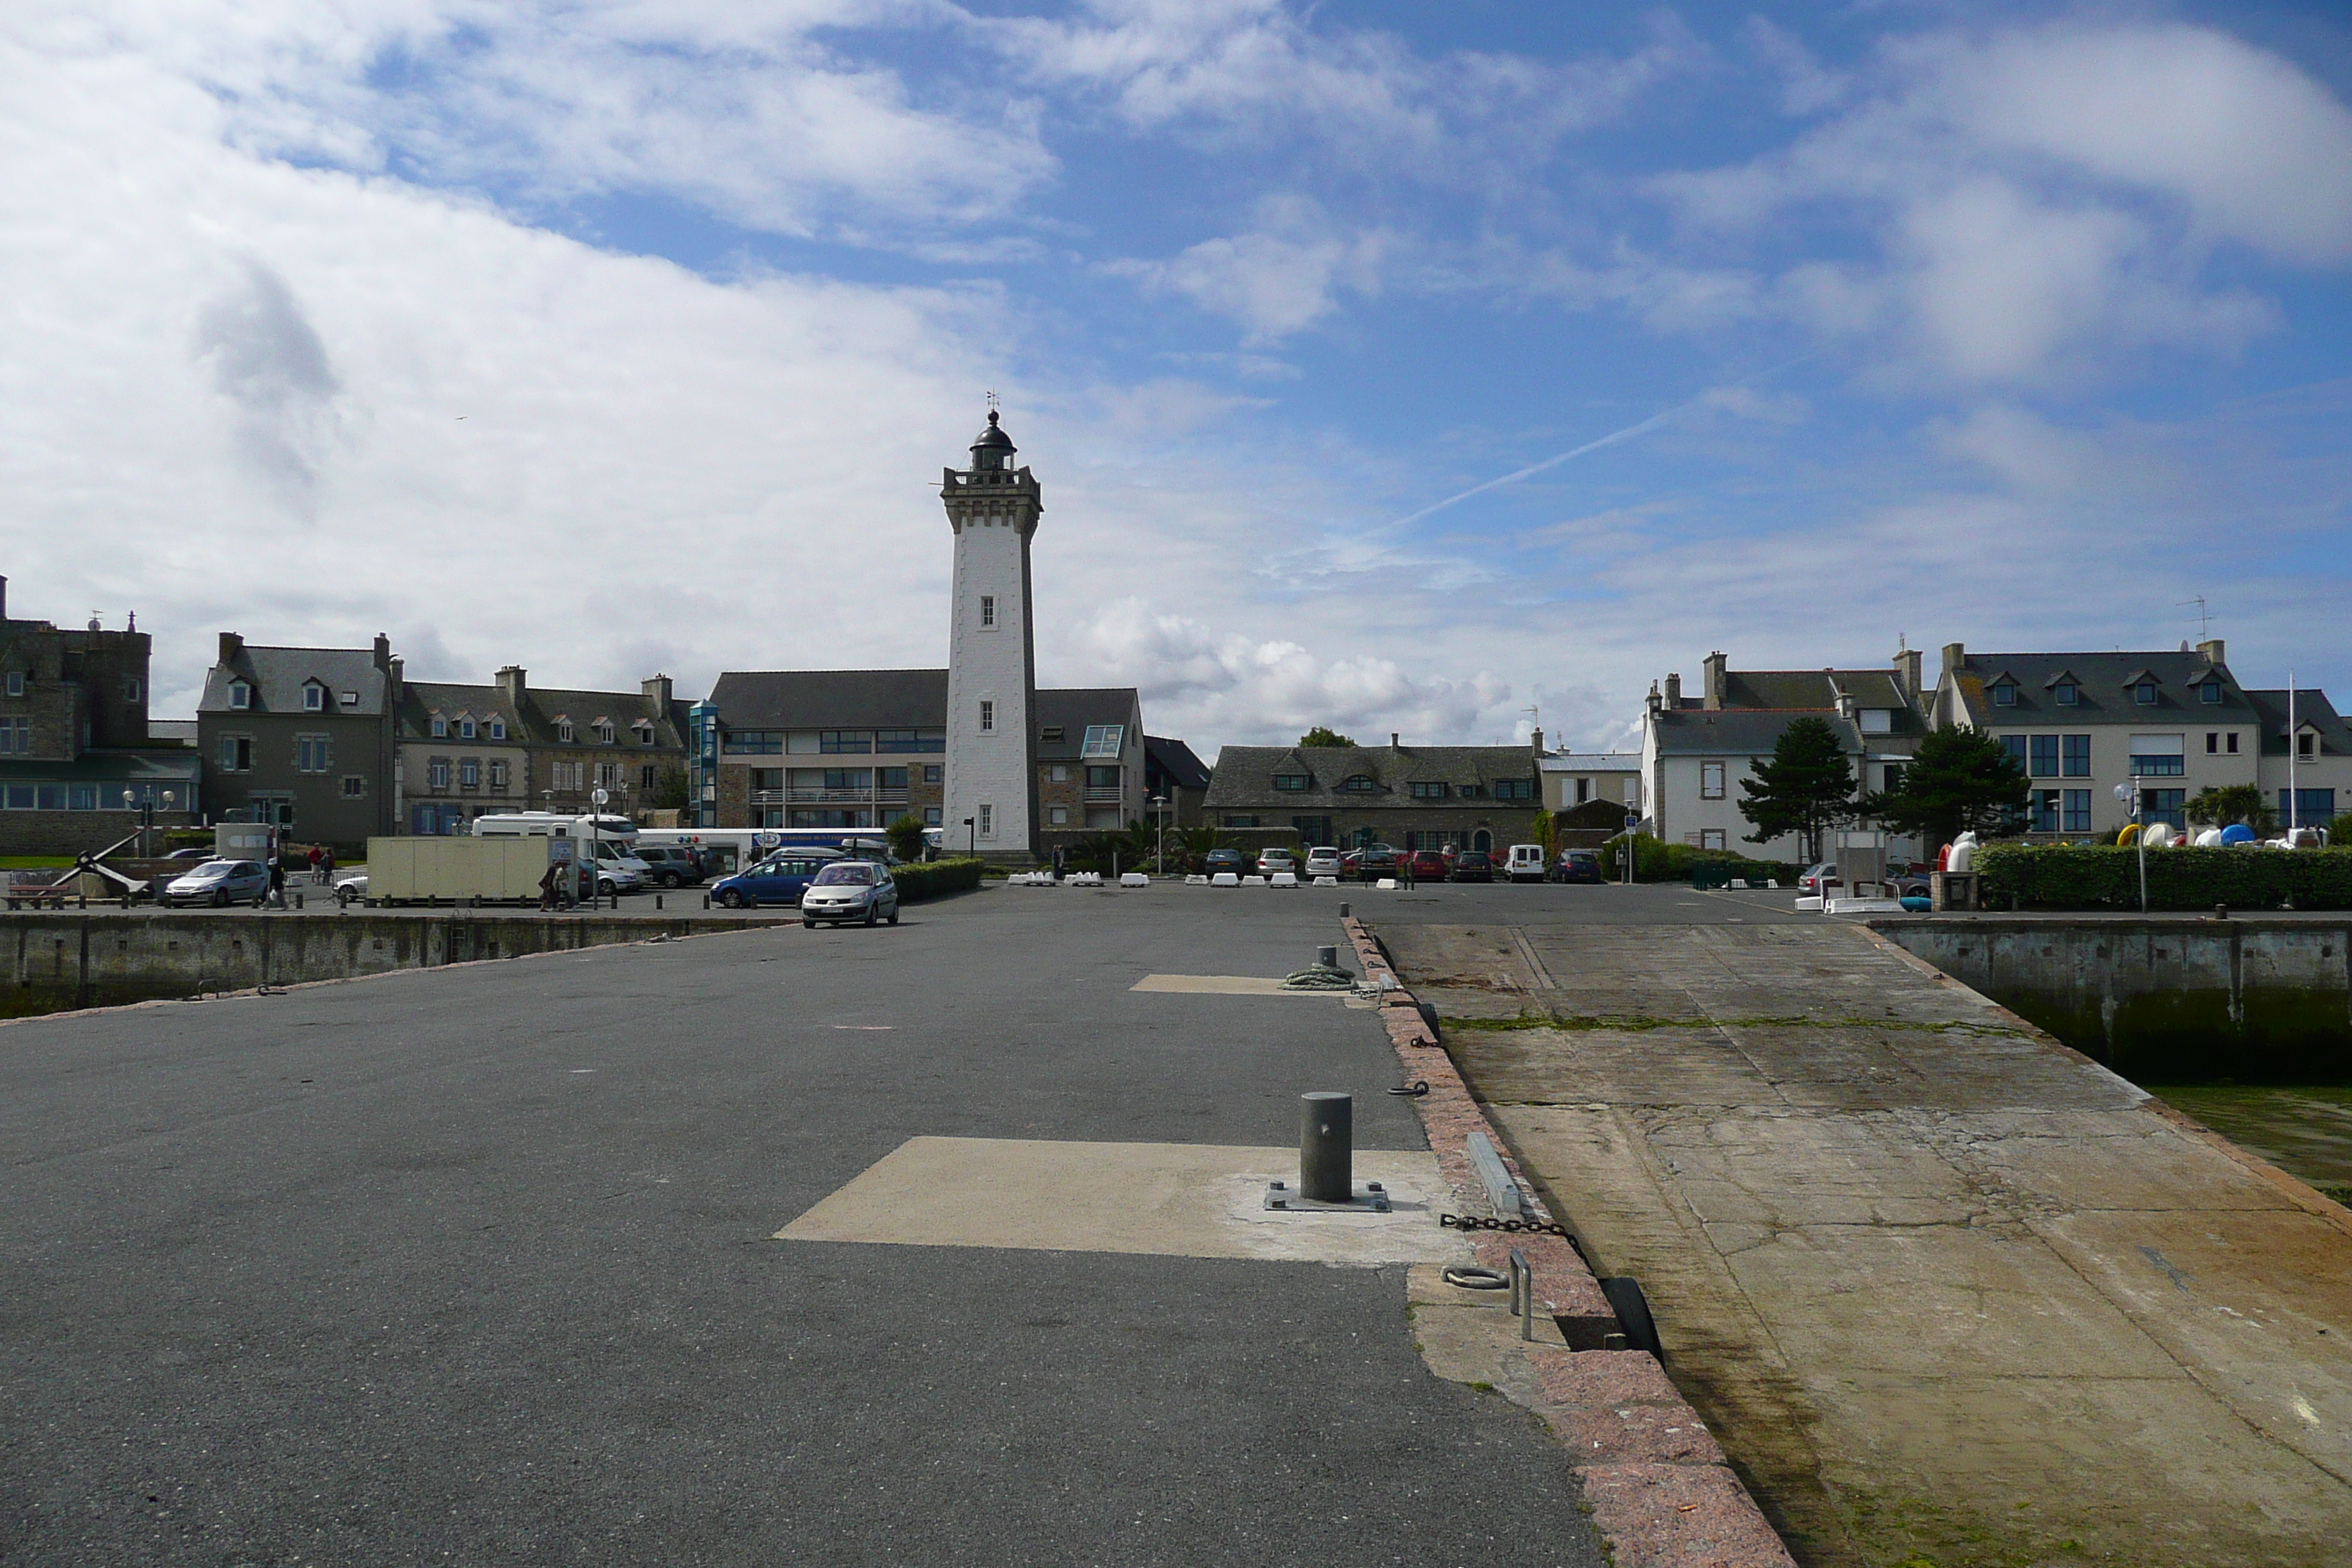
60, 961
2244, 998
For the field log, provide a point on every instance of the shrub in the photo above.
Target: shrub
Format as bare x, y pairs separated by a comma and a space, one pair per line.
1656, 860
2103, 877
930, 879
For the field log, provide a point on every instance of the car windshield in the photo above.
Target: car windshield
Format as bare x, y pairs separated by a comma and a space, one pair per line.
214, 869
855, 874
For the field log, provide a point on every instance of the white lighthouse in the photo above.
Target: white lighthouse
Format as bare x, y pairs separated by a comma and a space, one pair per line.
990, 800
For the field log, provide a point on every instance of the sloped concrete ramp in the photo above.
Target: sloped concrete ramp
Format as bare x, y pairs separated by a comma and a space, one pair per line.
1947, 1292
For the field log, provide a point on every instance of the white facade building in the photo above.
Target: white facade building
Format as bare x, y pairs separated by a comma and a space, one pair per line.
991, 761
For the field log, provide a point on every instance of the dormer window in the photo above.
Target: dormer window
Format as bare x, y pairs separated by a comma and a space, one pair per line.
350, 699
563, 729
605, 731
497, 729
465, 729
1292, 780
1104, 741
2144, 693
2004, 694
2066, 693
1360, 784
440, 726
2210, 691
644, 729
2307, 746
240, 695
314, 697
1424, 790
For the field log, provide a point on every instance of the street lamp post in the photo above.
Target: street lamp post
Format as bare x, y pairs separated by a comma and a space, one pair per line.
145, 807
1159, 855
971, 838
2134, 797
596, 835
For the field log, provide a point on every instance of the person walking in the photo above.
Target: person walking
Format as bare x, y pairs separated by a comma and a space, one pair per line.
315, 858
278, 881
326, 865
550, 884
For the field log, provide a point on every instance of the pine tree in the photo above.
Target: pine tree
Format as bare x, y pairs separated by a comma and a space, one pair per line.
1806, 789
1960, 779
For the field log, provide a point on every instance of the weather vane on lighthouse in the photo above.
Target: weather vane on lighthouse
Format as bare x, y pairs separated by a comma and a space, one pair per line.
993, 404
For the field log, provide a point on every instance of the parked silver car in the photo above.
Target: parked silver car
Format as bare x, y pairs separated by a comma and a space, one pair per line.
219, 882
859, 890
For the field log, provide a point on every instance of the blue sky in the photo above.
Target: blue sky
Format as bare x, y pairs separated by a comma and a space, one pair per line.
609, 337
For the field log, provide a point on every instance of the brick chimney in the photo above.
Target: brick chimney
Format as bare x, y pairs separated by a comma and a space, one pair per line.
382, 651
1906, 671
1535, 739
231, 645
511, 682
1674, 690
1716, 683
1395, 740
2213, 651
657, 691
1954, 656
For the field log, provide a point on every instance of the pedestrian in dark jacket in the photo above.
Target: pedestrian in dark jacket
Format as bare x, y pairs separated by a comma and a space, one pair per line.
276, 883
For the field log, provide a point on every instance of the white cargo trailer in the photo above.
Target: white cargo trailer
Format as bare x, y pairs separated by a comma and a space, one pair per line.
439, 871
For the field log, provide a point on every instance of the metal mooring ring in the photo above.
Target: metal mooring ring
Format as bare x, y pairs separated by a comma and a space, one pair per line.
1470, 1278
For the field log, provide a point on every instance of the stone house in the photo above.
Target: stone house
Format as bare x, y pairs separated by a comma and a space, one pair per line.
1413, 797
302, 737
74, 739
470, 751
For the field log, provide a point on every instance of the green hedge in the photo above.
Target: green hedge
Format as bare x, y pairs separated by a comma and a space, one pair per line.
1654, 861
930, 879
2104, 877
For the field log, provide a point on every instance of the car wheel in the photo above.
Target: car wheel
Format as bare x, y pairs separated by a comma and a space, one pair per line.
733, 898
869, 914
220, 897
669, 879
894, 915
807, 924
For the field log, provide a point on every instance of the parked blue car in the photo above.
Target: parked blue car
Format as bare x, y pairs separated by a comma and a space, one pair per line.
778, 879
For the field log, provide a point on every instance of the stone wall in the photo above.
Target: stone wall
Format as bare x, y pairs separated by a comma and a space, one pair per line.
2182, 997
66, 960
73, 832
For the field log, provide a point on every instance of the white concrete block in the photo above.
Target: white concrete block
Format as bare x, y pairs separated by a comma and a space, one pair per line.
1385, 885
1740, 883
1193, 879
1808, 906
1253, 881
1133, 880
1283, 879
1327, 881
1225, 880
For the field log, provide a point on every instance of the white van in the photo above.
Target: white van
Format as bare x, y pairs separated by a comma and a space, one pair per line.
1526, 863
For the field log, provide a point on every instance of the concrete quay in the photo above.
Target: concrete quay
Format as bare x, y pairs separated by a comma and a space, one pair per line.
765, 1245
1945, 1292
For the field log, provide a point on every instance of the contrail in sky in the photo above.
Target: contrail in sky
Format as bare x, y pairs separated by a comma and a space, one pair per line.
1614, 436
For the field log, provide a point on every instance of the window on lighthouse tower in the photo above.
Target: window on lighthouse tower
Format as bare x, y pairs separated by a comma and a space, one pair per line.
988, 609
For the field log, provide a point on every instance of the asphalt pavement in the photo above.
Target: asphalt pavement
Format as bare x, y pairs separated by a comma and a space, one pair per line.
476, 1265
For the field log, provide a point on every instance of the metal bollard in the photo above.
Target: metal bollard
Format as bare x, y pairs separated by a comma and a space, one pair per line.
1343, 911
1522, 1293
298, 899
657, 902
1326, 1156
1328, 957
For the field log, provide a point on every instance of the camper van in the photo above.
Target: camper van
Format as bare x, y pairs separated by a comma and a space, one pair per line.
608, 841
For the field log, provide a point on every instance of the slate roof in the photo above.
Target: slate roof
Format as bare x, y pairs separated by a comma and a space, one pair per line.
535, 723
279, 674
1072, 709
1801, 689
2105, 679
2311, 708
1244, 775
1754, 731
832, 699
1176, 761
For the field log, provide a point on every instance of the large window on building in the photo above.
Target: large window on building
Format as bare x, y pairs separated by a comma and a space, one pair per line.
1427, 789
2042, 753
2167, 805
1360, 784
1104, 741
1513, 789
15, 737
755, 743
470, 773
235, 754
2075, 812
437, 773
312, 755
910, 740
2158, 757
2307, 807
847, 742
2075, 756
1292, 780
1710, 780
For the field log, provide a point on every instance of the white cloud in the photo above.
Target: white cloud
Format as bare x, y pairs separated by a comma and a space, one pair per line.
1275, 281
2038, 201
1241, 688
